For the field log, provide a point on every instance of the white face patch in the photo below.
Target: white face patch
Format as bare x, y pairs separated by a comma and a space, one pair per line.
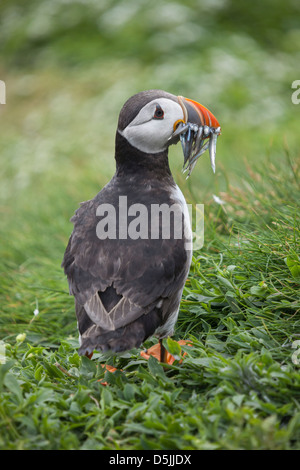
150, 134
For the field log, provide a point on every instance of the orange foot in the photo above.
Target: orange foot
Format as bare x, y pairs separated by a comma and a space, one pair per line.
107, 367
156, 351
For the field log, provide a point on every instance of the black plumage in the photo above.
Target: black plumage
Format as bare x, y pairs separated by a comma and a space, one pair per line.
128, 289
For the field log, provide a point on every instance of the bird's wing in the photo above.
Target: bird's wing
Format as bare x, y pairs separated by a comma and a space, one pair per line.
141, 272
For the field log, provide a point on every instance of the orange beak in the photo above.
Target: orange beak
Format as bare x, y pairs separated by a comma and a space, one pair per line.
196, 113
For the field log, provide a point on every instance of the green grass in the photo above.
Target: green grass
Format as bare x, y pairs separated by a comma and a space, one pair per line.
238, 386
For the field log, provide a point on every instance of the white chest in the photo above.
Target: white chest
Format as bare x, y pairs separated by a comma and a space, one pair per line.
179, 199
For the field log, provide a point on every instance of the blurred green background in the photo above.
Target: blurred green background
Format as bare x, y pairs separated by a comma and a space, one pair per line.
69, 65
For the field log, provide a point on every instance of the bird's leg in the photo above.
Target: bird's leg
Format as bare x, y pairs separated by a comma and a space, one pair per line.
163, 352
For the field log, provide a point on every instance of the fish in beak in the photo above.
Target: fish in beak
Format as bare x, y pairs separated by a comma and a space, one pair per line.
198, 132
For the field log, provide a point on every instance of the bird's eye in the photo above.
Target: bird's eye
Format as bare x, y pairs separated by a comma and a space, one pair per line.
159, 113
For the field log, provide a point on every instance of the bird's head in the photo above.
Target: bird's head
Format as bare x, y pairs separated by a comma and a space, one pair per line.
153, 120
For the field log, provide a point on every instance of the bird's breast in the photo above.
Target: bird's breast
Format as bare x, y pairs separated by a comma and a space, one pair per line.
179, 198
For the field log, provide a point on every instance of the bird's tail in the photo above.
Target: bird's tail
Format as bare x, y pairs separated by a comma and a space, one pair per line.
122, 339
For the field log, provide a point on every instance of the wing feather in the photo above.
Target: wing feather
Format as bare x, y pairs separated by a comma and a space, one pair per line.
142, 272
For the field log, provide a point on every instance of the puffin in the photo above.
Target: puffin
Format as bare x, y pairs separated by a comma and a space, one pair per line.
129, 254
